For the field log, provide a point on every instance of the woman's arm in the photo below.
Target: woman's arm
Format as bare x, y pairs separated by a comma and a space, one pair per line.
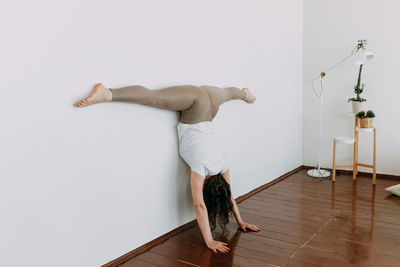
200, 209
235, 209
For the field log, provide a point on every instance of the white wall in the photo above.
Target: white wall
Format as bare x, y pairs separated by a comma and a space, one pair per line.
80, 187
331, 30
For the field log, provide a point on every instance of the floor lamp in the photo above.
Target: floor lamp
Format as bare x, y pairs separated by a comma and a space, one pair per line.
365, 56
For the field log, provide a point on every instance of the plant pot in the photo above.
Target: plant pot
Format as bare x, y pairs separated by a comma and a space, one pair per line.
366, 123
357, 106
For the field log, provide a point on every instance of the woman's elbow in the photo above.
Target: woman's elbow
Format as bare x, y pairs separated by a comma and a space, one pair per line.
199, 206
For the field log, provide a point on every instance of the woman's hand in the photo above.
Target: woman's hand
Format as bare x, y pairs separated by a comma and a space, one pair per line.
244, 225
218, 246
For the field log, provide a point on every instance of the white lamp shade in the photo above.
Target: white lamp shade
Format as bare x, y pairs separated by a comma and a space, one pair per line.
365, 56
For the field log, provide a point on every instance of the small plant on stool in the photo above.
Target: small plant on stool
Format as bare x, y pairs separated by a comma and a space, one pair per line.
366, 118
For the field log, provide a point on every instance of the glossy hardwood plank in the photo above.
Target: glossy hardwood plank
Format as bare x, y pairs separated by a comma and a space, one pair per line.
279, 212
325, 257
378, 199
160, 260
283, 209
368, 237
299, 219
359, 250
137, 263
312, 257
389, 218
294, 201
189, 254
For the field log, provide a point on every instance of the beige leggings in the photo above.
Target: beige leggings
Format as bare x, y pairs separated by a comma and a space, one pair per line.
195, 104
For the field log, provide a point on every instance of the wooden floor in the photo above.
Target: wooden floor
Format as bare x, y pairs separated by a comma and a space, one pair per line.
304, 222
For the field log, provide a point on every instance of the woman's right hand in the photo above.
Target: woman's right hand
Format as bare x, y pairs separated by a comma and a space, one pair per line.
218, 246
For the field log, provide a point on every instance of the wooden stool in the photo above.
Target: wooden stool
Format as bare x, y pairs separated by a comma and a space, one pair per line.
348, 141
351, 140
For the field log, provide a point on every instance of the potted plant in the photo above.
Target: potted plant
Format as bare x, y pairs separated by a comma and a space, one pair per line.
366, 118
358, 102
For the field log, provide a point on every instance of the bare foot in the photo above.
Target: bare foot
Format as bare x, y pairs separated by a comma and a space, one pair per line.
99, 94
249, 98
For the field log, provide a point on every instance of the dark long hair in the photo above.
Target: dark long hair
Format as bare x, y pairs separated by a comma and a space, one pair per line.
217, 197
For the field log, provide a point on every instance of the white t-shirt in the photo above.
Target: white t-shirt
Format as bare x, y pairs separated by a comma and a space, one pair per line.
200, 149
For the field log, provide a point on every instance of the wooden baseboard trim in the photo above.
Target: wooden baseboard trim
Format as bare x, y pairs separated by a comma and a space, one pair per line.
350, 172
182, 228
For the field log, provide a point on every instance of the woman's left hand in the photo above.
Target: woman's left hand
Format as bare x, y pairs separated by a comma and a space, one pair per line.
244, 225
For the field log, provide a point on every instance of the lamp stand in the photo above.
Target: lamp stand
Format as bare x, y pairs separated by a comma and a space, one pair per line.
318, 172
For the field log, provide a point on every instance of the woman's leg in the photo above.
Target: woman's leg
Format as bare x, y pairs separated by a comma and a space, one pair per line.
221, 95
174, 98
192, 102
218, 96
230, 93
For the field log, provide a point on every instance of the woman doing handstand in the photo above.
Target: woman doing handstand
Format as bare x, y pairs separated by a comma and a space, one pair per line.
210, 180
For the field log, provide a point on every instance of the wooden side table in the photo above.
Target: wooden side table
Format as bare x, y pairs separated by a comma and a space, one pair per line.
357, 131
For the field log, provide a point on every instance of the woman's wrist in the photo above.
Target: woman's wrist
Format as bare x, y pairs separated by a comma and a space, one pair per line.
238, 217
209, 241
